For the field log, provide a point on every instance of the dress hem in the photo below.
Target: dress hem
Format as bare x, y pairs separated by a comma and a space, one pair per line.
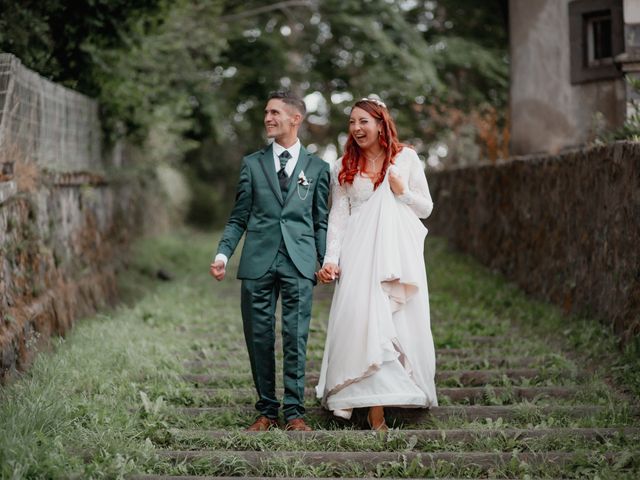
396, 400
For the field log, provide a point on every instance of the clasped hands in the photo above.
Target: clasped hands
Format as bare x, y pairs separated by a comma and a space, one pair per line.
328, 273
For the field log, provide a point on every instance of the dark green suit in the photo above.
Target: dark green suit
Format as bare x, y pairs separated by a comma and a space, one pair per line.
285, 237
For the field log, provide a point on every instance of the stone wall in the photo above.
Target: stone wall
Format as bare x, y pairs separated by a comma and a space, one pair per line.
565, 227
67, 211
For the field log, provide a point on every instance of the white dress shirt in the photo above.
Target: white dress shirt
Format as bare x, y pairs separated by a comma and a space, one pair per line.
294, 151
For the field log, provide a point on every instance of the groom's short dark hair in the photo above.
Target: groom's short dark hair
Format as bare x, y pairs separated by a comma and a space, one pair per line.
290, 98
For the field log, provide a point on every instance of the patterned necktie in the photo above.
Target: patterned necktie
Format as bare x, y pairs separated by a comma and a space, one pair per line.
284, 158
283, 179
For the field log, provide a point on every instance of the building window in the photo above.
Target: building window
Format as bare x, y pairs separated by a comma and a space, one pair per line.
599, 39
596, 36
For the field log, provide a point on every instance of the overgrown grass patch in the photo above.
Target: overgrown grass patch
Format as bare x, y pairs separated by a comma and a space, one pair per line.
76, 412
462, 290
103, 401
74, 404
586, 465
397, 441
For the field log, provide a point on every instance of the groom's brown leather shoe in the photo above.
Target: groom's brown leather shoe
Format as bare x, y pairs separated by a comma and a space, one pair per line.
297, 425
262, 424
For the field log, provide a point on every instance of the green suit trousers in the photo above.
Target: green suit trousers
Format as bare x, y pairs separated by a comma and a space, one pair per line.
259, 298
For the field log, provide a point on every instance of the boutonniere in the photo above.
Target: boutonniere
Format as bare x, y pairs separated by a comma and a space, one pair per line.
302, 180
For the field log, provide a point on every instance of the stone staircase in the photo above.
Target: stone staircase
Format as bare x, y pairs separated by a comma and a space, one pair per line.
510, 407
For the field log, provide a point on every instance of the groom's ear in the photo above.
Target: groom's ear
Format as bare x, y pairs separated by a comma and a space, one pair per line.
297, 119
296, 116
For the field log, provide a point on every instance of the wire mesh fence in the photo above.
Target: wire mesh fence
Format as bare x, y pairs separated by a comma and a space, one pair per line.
46, 123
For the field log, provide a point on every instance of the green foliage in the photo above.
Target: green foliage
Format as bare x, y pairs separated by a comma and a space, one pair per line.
191, 76
157, 81
412, 54
133, 56
51, 37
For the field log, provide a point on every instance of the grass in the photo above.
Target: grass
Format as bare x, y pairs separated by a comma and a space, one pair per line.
397, 441
464, 293
587, 465
100, 403
71, 413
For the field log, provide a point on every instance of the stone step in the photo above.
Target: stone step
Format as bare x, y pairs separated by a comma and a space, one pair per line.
467, 352
240, 347
460, 435
469, 394
313, 364
416, 415
464, 377
210, 477
470, 346
369, 461
208, 334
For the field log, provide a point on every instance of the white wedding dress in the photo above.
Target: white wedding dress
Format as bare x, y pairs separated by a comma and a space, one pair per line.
379, 349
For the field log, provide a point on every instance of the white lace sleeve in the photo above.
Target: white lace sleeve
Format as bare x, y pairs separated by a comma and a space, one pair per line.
338, 217
417, 195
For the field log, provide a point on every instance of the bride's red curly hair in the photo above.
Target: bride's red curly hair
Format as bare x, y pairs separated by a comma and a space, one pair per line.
353, 158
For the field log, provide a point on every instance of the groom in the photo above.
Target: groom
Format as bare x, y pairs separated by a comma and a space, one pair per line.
281, 204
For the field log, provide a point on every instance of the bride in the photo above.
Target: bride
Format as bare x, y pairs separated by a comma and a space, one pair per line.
379, 349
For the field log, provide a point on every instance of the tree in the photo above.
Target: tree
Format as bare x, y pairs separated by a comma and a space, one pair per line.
188, 78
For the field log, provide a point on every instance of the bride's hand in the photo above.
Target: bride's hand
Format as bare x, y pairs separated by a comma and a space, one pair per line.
395, 181
322, 276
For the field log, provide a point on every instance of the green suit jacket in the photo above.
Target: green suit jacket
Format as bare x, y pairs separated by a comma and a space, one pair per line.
300, 219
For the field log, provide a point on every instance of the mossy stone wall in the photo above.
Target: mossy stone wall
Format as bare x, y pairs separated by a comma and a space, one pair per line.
564, 227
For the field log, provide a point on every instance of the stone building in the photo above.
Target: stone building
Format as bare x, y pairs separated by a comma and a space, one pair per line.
569, 60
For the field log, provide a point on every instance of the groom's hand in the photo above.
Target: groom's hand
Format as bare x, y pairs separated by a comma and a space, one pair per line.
328, 273
217, 270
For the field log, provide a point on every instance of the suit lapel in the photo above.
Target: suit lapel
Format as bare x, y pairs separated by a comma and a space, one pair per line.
266, 162
303, 162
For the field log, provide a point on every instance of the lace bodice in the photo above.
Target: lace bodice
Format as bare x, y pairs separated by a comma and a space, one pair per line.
346, 199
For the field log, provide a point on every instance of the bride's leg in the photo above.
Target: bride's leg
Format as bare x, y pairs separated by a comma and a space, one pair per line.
375, 417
